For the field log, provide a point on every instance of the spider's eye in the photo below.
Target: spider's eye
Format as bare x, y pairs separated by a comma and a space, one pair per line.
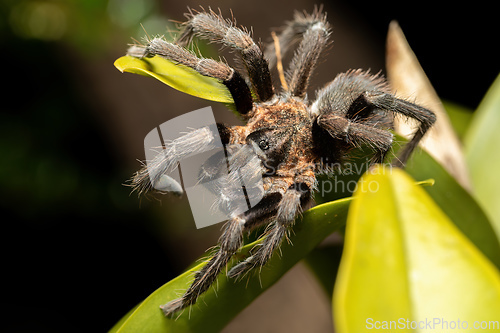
264, 144
272, 144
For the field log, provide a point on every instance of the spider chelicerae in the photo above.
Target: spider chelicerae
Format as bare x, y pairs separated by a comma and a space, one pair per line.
291, 135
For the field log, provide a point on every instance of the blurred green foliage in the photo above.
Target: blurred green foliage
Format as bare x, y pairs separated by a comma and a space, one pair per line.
89, 26
67, 218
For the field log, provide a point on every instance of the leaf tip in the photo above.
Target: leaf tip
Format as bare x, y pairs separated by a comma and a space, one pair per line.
427, 182
119, 64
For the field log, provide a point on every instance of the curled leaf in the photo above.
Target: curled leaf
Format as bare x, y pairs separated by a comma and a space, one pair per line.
483, 153
405, 262
177, 76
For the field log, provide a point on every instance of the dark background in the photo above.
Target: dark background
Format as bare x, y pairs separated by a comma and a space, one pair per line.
78, 250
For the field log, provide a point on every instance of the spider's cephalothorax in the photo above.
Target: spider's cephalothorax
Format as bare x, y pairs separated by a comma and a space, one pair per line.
290, 135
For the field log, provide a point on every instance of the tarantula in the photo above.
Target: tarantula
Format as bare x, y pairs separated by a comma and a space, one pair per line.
289, 134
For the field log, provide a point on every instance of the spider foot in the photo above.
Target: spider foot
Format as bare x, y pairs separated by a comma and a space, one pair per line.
241, 269
172, 307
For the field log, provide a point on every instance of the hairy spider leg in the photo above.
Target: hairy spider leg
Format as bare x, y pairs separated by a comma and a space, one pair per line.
294, 31
392, 104
356, 106
166, 160
229, 243
357, 134
289, 206
208, 67
211, 26
306, 56
313, 31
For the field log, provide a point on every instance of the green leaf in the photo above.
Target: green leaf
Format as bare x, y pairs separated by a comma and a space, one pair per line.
405, 261
177, 76
215, 309
453, 199
483, 154
323, 261
460, 117
456, 203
